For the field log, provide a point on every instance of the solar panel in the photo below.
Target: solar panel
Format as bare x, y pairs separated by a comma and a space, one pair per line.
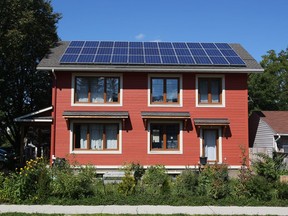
159, 53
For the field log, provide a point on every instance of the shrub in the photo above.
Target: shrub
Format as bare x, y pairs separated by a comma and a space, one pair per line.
156, 180
282, 189
31, 183
213, 181
67, 184
186, 183
269, 168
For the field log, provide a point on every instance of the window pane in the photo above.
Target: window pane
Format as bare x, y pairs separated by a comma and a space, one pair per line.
112, 87
156, 137
203, 91
172, 90
157, 90
82, 86
96, 134
111, 136
215, 90
83, 136
172, 132
97, 89
210, 139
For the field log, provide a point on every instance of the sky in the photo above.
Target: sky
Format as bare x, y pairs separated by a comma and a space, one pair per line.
258, 25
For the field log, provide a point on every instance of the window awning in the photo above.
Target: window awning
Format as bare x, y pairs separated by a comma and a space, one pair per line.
95, 115
211, 121
165, 115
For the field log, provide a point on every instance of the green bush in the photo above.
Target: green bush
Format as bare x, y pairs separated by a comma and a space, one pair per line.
186, 183
67, 184
155, 181
282, 189
269, 168
213, 181
31, 183
260, 188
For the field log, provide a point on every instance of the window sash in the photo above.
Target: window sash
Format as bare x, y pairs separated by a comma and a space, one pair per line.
164, 90
209, 90
97, 89
96, 136
164, 136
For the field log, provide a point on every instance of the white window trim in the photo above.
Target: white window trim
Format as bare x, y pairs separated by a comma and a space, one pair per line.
179, 76
119, 151
219, 144
96, 75
157, 152
223, 90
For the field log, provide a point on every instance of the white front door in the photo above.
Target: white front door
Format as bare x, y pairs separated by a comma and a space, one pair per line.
210, 139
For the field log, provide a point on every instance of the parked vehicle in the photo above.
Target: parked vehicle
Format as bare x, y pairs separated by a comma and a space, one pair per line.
7, 158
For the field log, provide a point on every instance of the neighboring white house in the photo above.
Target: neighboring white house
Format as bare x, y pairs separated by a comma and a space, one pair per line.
268, 132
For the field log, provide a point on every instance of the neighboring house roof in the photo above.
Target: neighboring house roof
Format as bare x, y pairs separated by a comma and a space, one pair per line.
52, 62
277, 120
40, 116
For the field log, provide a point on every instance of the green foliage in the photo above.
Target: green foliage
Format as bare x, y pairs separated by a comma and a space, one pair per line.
155, 180
30, 183
282, 190
269, 90
186, 183
67, 184
269, 168
27, 31
213, 181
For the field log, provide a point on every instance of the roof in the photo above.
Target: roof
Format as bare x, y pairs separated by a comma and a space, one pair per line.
277, 120
169, 115
52, 62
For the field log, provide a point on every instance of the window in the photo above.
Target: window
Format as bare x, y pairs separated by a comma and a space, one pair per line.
164, 90
209, 90
99, 90
96, 136
164, 136
210, 142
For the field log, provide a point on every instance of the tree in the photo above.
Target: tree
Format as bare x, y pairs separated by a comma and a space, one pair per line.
269, 90
27, 31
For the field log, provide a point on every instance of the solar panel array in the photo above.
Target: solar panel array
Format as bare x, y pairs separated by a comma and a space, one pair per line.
150, 53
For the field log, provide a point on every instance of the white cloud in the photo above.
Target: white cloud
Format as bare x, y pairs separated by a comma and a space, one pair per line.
140, 36
156, 40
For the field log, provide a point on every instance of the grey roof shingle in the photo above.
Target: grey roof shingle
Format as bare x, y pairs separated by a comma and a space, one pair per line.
52, 61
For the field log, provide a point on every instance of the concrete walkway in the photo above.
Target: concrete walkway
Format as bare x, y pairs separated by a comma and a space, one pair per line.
145, 209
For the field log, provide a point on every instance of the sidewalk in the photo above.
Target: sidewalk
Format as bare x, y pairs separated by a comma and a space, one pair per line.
145, 209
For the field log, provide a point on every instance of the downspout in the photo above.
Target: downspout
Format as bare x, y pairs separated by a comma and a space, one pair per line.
275, 142
52, 153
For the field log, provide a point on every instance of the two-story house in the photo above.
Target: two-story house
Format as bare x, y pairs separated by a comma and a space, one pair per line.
166, 103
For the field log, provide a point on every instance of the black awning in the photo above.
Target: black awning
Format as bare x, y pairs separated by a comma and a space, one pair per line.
95, 114
211, 121
165, 115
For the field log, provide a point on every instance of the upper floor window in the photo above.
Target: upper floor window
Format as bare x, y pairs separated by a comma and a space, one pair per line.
210, 91
102, 90
164, 90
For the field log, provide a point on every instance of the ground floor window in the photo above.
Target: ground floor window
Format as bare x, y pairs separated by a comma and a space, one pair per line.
210, 144
96, 136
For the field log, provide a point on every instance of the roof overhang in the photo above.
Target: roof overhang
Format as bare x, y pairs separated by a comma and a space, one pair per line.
150, 69
165, 115
211, 122
31, 117
95, 115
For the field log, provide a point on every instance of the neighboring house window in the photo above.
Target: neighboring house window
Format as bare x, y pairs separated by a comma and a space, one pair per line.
100, 89
164, 90
96, 136
164, 136
210, 144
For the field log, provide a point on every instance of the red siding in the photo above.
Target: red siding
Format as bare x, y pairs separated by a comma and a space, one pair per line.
134, 141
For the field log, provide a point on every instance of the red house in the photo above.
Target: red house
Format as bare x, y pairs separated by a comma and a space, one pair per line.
149, 102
